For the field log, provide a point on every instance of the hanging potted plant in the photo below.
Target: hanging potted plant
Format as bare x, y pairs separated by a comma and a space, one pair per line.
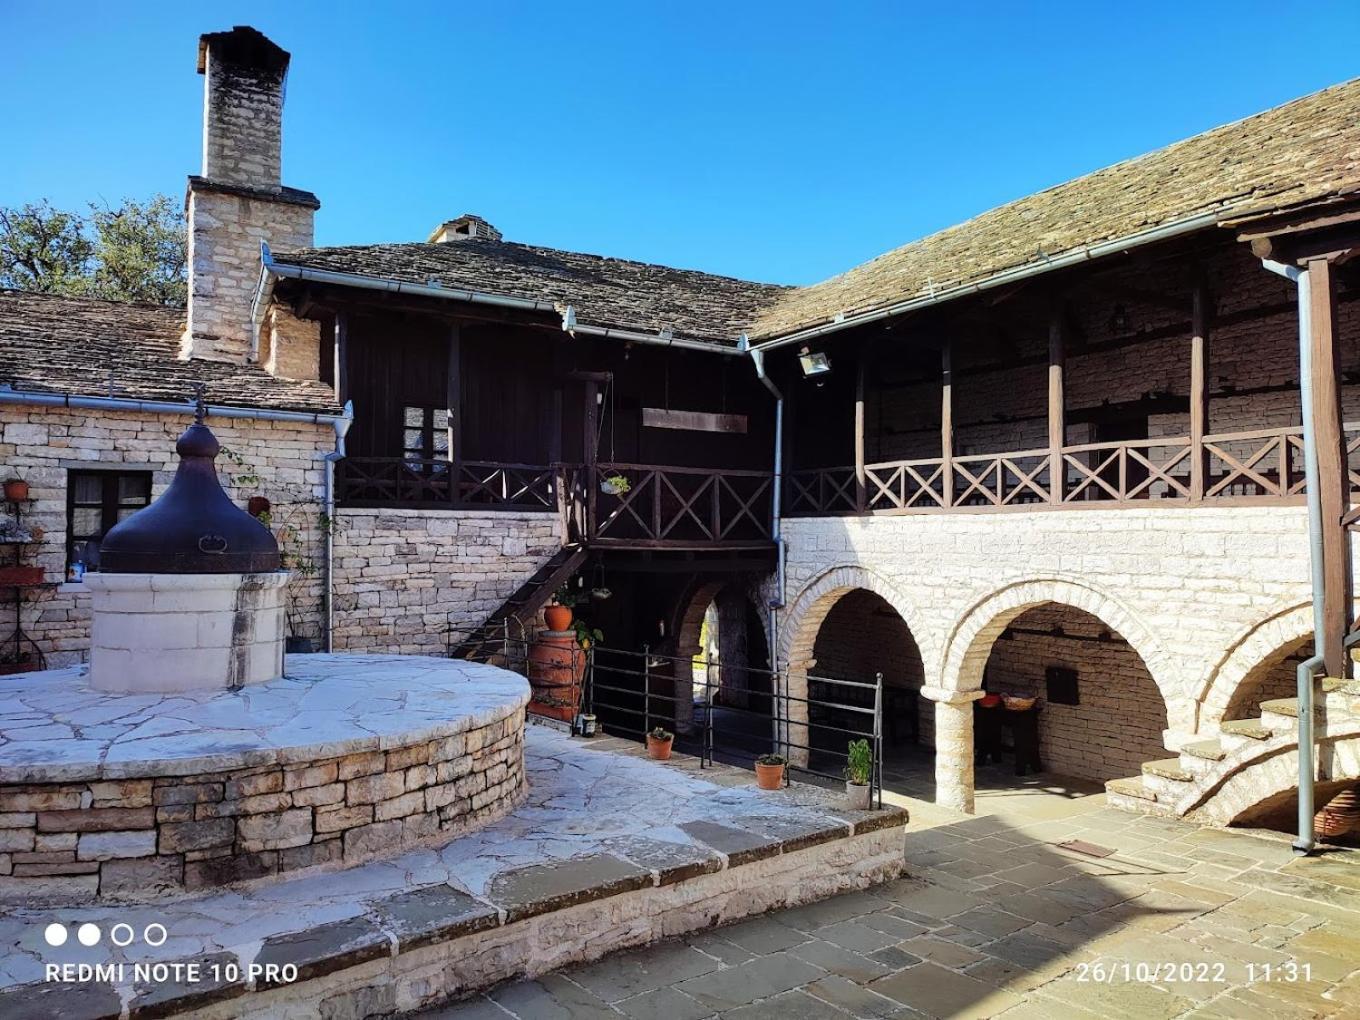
659, 743
858, 770
770, 771
557, 615
615, 485
16, 490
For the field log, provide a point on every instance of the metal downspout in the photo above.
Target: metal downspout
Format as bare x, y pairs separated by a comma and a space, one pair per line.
776, 505
335, 456
1307, 669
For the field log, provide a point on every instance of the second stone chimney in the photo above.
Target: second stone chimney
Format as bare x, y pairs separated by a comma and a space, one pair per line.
465, 226
239, 200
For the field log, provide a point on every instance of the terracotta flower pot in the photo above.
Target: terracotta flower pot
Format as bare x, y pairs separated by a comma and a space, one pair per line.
659, 749
558, 618
16, 490
769, 777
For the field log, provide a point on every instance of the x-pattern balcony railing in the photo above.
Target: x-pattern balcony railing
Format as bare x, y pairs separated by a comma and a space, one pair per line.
663, 507
1258, 466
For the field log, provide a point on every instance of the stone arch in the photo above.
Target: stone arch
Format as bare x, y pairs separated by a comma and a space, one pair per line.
805, 617
809, 609
970, 643
1245, 654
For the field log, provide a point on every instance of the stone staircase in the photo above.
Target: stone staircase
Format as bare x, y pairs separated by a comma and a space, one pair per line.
1249, 762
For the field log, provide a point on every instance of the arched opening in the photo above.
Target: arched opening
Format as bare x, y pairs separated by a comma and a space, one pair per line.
1097, 714
1275, 676
728, 684
860, 637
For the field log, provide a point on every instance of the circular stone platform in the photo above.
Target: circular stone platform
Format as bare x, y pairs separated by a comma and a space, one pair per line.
343, 758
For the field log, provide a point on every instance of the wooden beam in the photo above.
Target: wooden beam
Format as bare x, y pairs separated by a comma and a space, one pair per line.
1199, 393
947, 423
455, 409
341, 355
1057, 424
1332, 468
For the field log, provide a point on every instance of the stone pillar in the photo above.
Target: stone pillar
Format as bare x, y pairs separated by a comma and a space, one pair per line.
953, 746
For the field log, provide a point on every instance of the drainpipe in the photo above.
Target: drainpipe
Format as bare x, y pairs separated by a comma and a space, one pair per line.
758, 359
1307, 669
334, 457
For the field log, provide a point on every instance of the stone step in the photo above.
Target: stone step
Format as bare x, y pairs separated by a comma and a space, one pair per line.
1202, 751
1239, 732
1131, 787
1167, 768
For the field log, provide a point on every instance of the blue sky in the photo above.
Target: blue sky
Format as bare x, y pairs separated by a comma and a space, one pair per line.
782, 141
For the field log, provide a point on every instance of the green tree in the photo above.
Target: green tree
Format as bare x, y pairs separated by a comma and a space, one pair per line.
135, 252
140, 252
44, 249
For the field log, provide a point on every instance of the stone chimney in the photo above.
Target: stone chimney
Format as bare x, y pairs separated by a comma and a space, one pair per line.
239, 200
465, 226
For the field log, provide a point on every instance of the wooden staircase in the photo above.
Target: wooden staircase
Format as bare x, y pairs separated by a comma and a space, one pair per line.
517, 616
1250, 761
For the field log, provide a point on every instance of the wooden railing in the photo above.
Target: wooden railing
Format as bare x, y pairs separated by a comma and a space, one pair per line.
679, 507
398, 481
663, 507
1262, 466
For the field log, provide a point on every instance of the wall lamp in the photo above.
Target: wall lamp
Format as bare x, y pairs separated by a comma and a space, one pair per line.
818, 363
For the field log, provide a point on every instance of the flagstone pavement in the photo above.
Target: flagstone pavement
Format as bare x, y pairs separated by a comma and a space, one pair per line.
997, 919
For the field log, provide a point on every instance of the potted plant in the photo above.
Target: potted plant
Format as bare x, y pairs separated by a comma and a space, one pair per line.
22, 662
858, 769
659, 743
770, 771
16, 490
558, 615
615, 485
586, 635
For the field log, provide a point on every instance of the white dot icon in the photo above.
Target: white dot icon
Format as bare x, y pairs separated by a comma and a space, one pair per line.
88, 934
55, 934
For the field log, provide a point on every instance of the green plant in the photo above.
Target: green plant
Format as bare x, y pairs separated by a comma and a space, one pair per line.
660, 733
772, 759
565, 596
860, 763
585, 634
618, 484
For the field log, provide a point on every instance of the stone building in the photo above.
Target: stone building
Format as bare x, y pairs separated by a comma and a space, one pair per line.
1057, 450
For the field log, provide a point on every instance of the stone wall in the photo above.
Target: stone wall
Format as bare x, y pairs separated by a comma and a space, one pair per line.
1117, 724
281, 460
404, 578
226, 227
126, 838
1184, 586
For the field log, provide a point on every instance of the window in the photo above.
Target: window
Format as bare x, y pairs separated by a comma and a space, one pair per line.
95, 502
425, 434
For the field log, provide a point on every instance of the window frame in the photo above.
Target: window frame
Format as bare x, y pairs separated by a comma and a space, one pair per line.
109, 503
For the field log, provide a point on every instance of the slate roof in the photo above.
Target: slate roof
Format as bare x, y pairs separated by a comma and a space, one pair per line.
604, 291
105, 348
1305, 150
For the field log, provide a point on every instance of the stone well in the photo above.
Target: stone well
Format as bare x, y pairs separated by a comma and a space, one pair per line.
345, 758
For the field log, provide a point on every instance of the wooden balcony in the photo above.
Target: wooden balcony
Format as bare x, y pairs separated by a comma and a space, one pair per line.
664, 507
1260, 467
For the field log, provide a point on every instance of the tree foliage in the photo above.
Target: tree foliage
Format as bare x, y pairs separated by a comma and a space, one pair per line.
135, 252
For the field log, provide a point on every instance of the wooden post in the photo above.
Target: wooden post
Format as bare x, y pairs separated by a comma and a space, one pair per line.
455, 410
860, 489
1199, 391
1332, 467
340, 353
1057, 423
947, 424
591, 430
